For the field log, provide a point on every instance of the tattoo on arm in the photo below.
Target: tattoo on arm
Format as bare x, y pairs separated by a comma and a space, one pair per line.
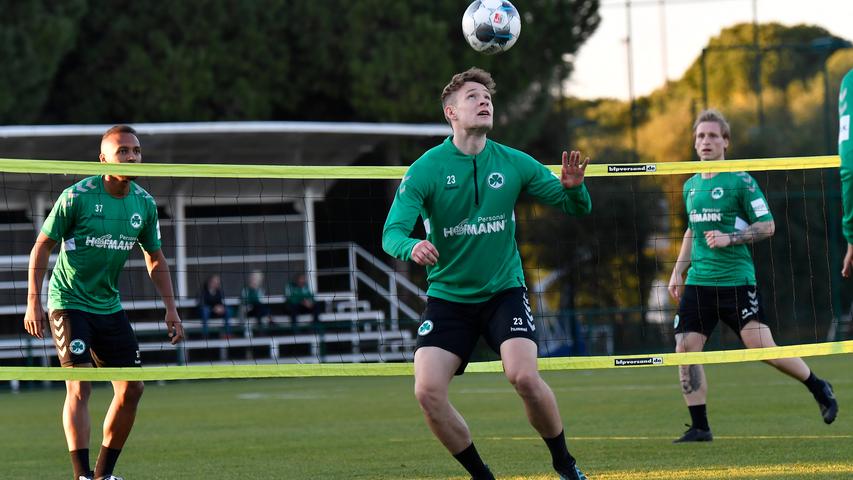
754, 233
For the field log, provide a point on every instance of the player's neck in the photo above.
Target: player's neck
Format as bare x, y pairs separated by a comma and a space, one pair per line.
469, 143
707, 175
115, 187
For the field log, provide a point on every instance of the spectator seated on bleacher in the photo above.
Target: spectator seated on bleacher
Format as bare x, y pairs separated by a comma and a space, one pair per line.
211, 304
300, 300
252, 299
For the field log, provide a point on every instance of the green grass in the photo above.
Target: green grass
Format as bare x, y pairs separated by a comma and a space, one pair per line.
620, 424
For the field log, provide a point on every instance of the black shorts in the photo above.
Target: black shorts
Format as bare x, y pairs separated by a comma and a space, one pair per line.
103, 340
701, 308
456, 327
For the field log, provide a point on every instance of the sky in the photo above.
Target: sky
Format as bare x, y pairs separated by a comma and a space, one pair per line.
601, 65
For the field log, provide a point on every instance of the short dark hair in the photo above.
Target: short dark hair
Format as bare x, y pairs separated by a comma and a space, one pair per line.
473, 74
118, 129
712, 115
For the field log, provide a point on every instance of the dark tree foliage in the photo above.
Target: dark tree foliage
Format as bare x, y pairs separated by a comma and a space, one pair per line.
99, 61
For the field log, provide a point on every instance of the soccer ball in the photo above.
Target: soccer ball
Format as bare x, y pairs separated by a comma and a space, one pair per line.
491, 26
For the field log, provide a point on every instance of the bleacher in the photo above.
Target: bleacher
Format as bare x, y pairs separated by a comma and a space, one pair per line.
349, 331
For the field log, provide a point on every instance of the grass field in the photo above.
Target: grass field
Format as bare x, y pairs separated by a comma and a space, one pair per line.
620, 425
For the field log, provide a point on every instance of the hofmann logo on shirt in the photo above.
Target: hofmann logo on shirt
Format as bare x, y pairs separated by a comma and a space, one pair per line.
483, 225
107, 241
706, 215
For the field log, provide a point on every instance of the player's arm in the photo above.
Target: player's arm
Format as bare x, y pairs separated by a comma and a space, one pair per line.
158, 270
404, 212
566, 192
676, 280
34, 319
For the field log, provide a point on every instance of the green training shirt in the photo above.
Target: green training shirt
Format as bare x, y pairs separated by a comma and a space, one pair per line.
845, 150
97, 231
727, 202
467, 205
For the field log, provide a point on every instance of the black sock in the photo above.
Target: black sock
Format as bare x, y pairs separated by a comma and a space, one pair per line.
561, 459
106, 462
470, 459
814, 384
80, 462
699, 416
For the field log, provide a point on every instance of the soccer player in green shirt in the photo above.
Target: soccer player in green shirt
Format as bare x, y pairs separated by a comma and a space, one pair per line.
845, 150
726, 212
465, 190
98, 221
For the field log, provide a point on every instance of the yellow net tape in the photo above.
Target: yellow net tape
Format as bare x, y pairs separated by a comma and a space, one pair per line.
398, 369
9, 165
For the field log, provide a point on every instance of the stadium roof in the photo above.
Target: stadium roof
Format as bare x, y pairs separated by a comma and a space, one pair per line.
241, 143
284, 143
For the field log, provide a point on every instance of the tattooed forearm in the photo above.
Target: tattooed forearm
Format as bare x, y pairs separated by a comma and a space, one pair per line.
691, 378
754, 233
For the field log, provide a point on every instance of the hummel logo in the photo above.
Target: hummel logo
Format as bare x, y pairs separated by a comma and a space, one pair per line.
58, 321
752, 294
60, 331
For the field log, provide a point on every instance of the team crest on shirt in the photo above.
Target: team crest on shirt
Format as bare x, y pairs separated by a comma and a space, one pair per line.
77, 346
425, 328
496, 180
717, 193
136, 220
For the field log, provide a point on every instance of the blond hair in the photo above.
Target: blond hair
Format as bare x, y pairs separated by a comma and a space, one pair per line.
712, 115
473, 74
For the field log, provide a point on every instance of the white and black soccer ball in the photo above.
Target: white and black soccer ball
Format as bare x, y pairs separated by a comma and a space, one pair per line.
491, 26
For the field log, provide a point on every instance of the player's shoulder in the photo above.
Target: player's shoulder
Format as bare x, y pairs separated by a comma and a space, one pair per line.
507, 152
81, 189
139, 192
691, 182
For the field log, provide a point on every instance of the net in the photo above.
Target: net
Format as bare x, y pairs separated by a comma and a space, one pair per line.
597, 283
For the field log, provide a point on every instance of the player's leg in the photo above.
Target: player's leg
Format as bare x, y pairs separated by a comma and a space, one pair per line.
115, 345
77, 425
511, 332
519, 357
434, 369
758, 335
696, 319
446, 338
72, 337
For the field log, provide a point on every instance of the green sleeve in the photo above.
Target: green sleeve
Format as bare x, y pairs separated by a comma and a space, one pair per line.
845, 151
753, 202
61, 218
847, 194
407, 206
546, 187
149, 237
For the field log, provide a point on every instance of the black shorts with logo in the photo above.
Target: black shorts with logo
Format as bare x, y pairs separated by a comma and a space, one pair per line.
456, 326
701, 308
104, 340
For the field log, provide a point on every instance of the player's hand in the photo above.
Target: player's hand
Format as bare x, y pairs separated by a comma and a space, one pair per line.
174, 327
676, 286
847, 266
35, 322
717, 239
424, 253
573, 169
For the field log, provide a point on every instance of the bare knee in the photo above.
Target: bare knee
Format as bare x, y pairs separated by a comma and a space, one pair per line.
431, 398
78, 391
527, 384
129, 392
